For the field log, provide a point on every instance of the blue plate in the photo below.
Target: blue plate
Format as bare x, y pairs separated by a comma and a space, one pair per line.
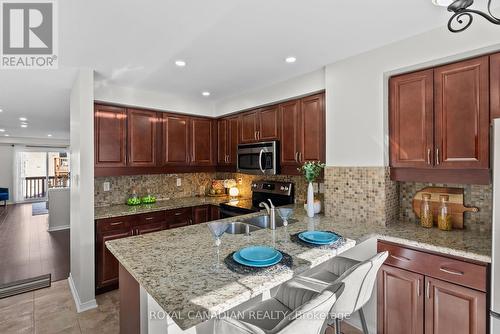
237, 257
318, 237
259, 254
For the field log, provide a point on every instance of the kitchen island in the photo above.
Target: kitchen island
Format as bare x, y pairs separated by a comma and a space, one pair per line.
173, 267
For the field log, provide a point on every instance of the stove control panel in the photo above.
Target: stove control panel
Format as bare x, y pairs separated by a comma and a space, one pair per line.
273, 187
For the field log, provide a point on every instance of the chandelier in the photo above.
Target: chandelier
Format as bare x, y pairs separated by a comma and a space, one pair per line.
463, 16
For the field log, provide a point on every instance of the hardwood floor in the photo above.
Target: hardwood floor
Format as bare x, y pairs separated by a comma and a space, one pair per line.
28, 249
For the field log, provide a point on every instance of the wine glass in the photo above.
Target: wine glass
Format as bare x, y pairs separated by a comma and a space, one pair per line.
217, 229
285, 214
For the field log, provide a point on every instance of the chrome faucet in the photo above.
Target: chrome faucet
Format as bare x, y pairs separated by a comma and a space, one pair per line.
271, 211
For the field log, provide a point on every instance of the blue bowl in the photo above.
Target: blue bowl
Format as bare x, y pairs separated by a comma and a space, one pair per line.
237, 258
259, 254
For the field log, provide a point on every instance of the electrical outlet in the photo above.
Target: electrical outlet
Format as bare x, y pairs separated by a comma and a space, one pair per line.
179, 182
315, 187
106, 186
321, 188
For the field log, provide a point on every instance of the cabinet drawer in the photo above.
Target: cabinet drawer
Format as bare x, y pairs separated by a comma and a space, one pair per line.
179, 217
116, 223
152, 217
445, 268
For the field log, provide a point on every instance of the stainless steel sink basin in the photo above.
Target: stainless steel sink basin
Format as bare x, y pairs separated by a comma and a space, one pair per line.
241, 228
264, 221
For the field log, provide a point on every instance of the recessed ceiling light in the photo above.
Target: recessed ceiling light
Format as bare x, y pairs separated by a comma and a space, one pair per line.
180, 63
205, 93
49, 135
6, 135
23, 119
290, 59
1, 110
2, 130
442, 3
24, 125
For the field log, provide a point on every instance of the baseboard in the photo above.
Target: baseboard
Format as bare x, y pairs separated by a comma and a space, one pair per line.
58, 228
80, 307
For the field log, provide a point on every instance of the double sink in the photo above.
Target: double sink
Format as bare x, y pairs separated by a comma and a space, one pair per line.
253, 224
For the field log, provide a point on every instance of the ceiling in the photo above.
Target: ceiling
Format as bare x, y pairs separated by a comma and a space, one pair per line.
230, 46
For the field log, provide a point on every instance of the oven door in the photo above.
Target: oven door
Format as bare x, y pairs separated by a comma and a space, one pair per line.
259, 158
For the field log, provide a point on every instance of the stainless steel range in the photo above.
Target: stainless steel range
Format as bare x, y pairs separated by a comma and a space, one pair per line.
280, 193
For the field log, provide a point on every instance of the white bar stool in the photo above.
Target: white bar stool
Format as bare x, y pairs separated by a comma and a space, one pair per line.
294, 309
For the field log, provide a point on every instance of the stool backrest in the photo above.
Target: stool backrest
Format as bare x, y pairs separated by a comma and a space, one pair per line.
358, 285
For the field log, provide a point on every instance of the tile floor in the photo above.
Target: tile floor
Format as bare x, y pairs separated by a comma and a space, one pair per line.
53, 311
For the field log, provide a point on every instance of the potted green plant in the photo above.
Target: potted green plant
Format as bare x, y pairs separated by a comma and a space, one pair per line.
311, 170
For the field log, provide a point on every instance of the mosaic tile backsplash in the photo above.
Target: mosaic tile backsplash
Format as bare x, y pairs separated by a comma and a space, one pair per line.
474, 195
163, 186
361, 194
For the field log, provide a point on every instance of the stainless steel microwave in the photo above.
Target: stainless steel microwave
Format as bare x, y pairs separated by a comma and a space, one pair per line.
258, 158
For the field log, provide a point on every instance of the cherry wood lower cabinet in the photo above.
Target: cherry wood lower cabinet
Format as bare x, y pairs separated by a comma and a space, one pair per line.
121, 227
421, 292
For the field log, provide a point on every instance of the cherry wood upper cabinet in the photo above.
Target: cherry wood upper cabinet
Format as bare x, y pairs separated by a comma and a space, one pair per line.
453, 309
110, 136
461, 99
202, 141
290, 133
400, 301
495, 85
227, 140
248, 129
222, 144
142, 138
175, 140
312, 128
268, 124
411, 117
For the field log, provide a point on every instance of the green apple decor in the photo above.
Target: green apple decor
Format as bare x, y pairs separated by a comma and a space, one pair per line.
148, 199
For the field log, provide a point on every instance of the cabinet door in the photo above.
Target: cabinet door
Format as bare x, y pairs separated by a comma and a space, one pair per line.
411, 117
268, 128
106, 263
453, 309
202, 143
149, 228
461, 97
248, 128
201, 214
142, 129
110, 136
179, 218
400, 301
290, 132
312, 128
232, 139
175, 140
222, 144
495, 85
214, 212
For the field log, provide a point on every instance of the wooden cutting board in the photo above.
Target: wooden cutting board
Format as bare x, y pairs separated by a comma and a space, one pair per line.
455, 204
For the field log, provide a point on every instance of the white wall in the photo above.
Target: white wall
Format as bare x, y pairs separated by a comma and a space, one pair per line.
82, 281
7, 169
356, 88
147, 99
301, 85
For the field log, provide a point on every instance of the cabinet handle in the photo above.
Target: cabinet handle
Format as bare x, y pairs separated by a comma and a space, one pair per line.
258, 135
255, 135
418, 287
428, 156
296, 156
451, 271
178, 213
117, 223
428, 290
149, 218
437, 155
300, 156
400, 258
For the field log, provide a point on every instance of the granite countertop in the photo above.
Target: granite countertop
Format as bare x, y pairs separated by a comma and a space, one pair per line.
173, 266
171, 204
